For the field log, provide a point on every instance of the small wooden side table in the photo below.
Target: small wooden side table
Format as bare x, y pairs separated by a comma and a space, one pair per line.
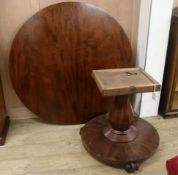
120, 138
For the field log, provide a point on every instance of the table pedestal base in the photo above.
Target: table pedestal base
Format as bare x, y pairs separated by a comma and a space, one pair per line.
139, 143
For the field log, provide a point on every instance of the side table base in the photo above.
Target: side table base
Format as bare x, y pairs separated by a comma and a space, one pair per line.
127, 155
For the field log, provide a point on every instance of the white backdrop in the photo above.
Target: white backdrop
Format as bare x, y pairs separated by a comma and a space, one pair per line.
155, 18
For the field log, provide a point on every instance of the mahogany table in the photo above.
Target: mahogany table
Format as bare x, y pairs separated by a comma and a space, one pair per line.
52, 57
119, 138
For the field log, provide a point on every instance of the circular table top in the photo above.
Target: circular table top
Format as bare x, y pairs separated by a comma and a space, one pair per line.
53, 55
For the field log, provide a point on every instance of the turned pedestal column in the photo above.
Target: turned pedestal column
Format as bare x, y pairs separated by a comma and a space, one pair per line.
119, 138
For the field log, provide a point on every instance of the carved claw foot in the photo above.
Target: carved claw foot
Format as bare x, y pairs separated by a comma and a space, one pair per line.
131, 167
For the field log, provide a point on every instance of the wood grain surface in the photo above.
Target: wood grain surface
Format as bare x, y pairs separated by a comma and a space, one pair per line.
113, 82
52, 57
13, 19
125, 138
118, 154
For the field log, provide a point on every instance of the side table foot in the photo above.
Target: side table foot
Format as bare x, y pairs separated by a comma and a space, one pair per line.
4, 131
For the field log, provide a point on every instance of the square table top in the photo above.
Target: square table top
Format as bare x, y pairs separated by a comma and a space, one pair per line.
112, 82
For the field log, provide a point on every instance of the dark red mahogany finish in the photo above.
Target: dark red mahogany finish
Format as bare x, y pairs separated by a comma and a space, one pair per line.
119, 138
52, 57
123, 151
